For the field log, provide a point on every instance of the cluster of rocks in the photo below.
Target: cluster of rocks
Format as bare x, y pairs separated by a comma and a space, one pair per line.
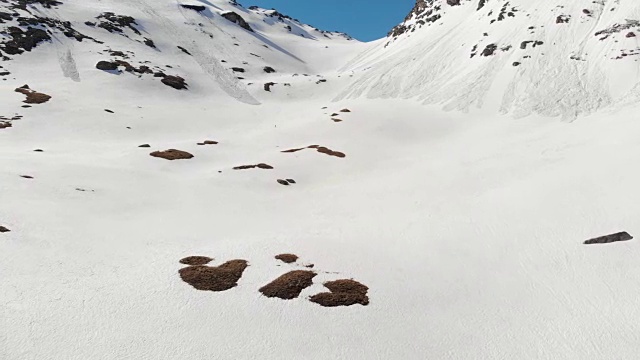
504, 13
116, 23
22, 4
174, 81
32, 30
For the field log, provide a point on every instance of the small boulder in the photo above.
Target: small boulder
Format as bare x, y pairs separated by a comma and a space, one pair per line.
106, 66
175, 82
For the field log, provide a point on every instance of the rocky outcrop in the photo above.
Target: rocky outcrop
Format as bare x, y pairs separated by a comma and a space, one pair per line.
116, 23
106, 66
198, 8
235, 18
175, 82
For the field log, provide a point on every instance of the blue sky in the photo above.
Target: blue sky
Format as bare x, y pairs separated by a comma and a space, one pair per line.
363, 19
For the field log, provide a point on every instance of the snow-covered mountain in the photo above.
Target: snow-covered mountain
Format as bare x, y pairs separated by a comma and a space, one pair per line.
554, 58
196, 179
231, 46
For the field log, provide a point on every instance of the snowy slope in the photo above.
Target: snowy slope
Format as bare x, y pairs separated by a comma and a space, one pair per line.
554, 58
467, 229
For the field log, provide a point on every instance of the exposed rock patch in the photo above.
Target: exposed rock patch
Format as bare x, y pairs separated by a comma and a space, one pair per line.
208, 142
184, 50
267, 86
214, 278
342, 293
4, 229
318, 148
259, 166
327, 151
106, 66
621, 236
33, 97
175, 82
287, 258
116, 23
235, 18
196, 260
198, 8
172, 154
290, 285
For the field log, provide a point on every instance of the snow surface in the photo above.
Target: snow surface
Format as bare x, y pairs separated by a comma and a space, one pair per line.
466, 227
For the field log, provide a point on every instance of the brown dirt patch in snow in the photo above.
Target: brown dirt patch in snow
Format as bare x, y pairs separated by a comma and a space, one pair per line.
287, 258
343, 292
290, 285
324, 150
4, 125
214, 278
33, 97
320, 149
293, 150
196, 260
259, 166
172, 154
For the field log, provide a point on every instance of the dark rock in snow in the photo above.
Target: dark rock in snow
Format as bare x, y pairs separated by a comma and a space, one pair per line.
283, 182
489, 50
106, 66
149, 43
198, 8
175, 82
4, 229
235, 18
116, 23
184, 50
269, 69
267, 86
621, 236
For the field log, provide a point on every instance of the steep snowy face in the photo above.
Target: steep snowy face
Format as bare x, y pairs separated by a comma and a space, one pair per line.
204, 47
553, 58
